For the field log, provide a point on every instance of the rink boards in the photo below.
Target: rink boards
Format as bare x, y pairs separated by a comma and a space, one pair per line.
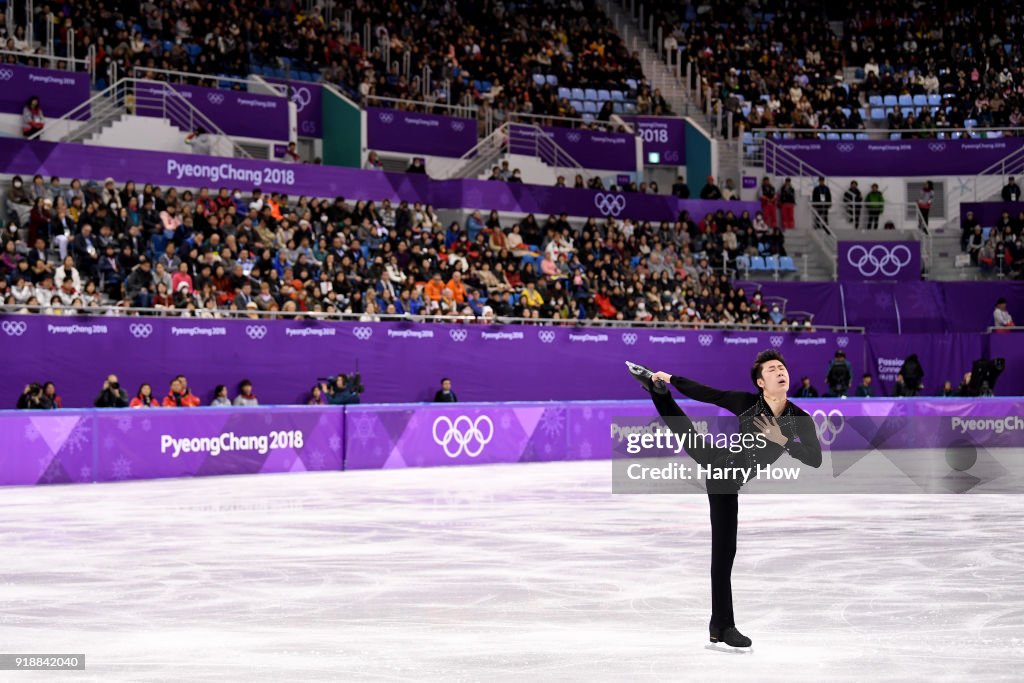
86, 446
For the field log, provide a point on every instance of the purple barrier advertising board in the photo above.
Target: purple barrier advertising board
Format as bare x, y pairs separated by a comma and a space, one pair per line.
414, 133
233, 111
663, 135
386, 437
73, 446
875, 261
399, 362
889, 158
592, 148
185, 170
988, 213
308, 98
58, 91
943, 357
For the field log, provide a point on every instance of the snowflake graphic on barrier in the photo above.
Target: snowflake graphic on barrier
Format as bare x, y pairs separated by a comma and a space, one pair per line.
552, 422
79, 437
316, 459
363, 427
588, 412
146, 425
85, 474
586, 450
124, 424
122, 468
547, 449
31, 433
51, 472
506, 421
335, 443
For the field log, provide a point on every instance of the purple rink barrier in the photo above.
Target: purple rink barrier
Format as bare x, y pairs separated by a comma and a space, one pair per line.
661, 134
879, 261
58, 91
399, 362
891, 158
414, 133
590, 148
233, 111
193, 170
988, 213
386, 437
77, 446
308, 99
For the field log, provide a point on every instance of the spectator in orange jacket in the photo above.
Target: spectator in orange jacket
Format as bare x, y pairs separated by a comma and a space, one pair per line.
458, 289
434, 288
191, 400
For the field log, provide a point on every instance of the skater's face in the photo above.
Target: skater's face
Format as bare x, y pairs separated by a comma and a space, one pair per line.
774, 377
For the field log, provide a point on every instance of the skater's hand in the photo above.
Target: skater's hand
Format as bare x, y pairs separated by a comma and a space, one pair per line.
663, 376
770, 428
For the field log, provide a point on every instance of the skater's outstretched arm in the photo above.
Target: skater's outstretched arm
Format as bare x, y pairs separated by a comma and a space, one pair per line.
734, 401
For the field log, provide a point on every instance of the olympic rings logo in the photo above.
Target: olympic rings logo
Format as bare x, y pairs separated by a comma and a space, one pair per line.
629, 338
845, 147
776, 340
458, 335
140, 330
546, 336
827, 426
14, 328
842, 342
705, 339
301, 97
6, 74
463, 435
573, 137
215, 98
879, 259
362, 333
386, 117
256, 332
610, 204
937, 146
458, 126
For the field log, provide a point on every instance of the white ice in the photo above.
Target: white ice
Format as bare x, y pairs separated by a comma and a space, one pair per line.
502, 573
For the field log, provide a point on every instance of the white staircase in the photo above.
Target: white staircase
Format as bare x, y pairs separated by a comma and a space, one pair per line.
513, 141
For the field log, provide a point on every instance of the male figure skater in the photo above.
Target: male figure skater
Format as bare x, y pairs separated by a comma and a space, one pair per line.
786, 428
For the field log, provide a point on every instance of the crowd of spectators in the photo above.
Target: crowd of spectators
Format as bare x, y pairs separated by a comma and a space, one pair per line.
71, 247
786, 59
478, 53
44, 396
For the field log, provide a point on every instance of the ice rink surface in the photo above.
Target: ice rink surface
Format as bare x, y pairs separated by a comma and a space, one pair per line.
505, 572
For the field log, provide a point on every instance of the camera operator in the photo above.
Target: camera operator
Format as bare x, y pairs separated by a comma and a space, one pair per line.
112, 395
32, 398
342, 392
839, 375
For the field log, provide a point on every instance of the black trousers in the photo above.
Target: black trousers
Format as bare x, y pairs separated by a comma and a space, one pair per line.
724, 519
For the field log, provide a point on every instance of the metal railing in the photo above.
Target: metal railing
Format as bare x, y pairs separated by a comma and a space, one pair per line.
424, 106
198, 314
55, 62
203, 80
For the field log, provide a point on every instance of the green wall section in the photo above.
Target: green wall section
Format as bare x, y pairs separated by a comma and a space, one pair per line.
343, 132
698, 158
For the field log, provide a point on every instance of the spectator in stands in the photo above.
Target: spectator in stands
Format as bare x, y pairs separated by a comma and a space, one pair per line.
51, 400
32, 119
291, 154
1000, 316
787, 204
680, 189
965, 385
144, 398
838, 378
416, 166
445, 393
865, 390
710, 190
31, 398
341, 393
1011, 191
316, 396
924, 204
373, 162
852, 201
175, 396
899, 387
729, 191
769, 206
18, 202
191, 400
821, 202
112, 395
947, 390
245, 396
875, 203
220, 397
806, 390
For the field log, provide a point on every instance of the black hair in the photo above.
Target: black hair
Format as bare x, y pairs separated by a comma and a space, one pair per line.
762, 358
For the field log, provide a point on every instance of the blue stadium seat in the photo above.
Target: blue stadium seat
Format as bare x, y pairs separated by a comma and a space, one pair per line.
878, 114
590, 94
757, 263
859, 74
848, 136
588, 118
745, 108
786, 264
631, 82
577, 105
890, 100
862, 136
634, 262
618, 108
970, 123
994, 134
832, 136
984, 233
875, 101
771, 262
895, 136
590, 107
577, 94
552, 80
603, 96
618, 95
743, 261
630, 107
564, 93
906, 101
846, 111
538, 80
935, 100
920, 100
485, 86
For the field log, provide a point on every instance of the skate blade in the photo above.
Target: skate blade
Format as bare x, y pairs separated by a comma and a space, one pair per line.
718, 646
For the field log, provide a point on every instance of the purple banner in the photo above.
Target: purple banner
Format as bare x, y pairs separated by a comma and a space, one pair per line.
597, 149
988, 213
414, 133
58, 91
874, 261
190, 170
72, 446
888, 158
233, 111
400, 362
943, 358
662, 135
308, 99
